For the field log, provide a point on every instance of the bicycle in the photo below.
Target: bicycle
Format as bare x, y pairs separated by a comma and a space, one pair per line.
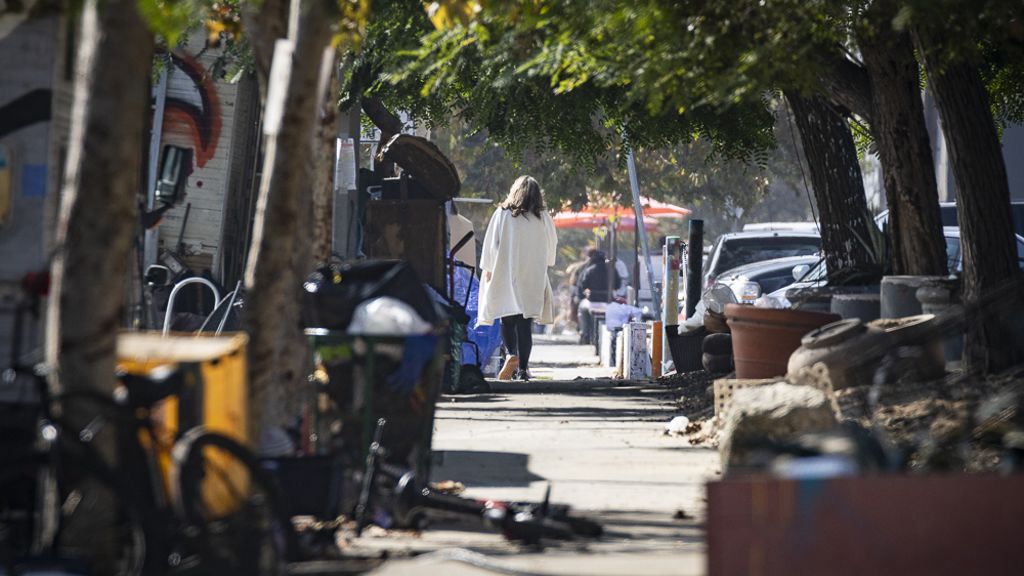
64, 504
402, 497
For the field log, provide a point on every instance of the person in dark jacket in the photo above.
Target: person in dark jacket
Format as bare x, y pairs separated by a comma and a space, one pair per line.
592, 287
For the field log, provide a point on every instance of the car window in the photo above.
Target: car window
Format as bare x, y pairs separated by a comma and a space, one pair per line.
710, 257
775, 280
948, 215
953, 261
739, 251
1017, 209
816, 274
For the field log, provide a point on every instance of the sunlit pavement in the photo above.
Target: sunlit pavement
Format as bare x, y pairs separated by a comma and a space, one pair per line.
600, 446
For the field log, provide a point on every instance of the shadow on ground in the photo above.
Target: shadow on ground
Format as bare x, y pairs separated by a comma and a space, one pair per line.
484, 469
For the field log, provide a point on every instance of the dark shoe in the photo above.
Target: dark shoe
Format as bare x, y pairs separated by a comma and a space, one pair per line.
522, 375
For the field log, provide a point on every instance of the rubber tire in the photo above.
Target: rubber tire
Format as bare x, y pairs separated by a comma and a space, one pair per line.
186, 479
717, 344
717, 363
136, 518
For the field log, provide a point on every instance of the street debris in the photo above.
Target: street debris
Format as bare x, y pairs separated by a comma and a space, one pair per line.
956, 423
677, 426
681, 514
448, 487
692, 392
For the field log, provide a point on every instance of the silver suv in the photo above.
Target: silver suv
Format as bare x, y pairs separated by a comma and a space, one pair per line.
740, 248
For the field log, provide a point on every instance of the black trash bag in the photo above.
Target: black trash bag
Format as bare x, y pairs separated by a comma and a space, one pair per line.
332, 292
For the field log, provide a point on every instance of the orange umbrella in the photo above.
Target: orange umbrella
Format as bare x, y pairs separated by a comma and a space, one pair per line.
595, 219
651, 207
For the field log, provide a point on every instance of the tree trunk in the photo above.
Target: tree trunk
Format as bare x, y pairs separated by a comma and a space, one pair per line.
983, 210
382, 118
838, 186
323, 170
265, 22
285, 190
98, 212
389, 124
95, 226
848, 86
901, 135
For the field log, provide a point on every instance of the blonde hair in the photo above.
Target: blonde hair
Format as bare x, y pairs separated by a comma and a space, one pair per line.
524, 197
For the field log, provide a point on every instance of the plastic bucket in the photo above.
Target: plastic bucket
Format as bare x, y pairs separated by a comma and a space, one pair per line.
686, 348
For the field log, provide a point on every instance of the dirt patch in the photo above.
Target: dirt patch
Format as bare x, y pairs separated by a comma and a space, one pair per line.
935, 426
694, 399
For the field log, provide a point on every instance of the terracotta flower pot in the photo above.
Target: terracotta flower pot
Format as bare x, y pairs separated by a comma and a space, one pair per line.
764, 338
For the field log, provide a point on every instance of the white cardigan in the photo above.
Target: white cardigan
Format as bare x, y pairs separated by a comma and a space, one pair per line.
517, 251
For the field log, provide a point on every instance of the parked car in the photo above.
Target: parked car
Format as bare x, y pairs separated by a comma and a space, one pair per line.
740, 248
748, 282
817, 275
775, 226
947, 210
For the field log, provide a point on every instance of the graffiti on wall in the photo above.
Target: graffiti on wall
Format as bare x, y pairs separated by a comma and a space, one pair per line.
194, 110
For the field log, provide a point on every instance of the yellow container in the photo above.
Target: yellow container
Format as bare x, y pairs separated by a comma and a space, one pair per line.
215, 395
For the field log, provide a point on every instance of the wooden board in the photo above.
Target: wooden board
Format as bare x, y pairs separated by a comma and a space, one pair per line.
410, 230
935, 525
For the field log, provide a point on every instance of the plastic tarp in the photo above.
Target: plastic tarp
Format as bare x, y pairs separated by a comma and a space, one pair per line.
487, 338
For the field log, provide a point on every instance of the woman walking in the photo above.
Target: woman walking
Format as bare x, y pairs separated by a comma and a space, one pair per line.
518, 248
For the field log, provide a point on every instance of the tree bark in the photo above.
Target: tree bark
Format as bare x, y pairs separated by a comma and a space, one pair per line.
98, 212
849, 86
388, 123
270, 278
382, 118
983, 209
323, 170
915, 225
838, 186
265, 22
95, 226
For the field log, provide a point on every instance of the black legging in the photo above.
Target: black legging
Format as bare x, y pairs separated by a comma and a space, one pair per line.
517, 334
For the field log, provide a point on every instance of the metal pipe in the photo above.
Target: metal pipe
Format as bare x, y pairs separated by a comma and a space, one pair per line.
149, 243
174, 294
634, 185
670, 286
694, 259
227, 312
230, 299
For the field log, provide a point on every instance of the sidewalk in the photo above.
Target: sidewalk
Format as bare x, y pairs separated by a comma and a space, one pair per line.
598, 443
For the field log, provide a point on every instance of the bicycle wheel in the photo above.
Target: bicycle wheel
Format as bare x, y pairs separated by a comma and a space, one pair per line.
99, 528
218, 488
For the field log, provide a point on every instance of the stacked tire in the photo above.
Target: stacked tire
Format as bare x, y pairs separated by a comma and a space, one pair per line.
717, 353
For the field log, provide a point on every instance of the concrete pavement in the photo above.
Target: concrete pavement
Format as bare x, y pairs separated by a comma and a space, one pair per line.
598, 442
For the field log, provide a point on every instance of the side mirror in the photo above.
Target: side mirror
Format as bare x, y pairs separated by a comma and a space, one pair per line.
174, 166
799, 271
157, 275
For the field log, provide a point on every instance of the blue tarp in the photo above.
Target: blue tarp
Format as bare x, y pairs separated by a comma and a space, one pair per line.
486, 337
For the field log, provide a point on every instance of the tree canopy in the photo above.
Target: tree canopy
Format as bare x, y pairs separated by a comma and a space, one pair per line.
494, 72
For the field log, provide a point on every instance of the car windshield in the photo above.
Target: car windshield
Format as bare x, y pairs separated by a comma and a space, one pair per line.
740, 251
817, 273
